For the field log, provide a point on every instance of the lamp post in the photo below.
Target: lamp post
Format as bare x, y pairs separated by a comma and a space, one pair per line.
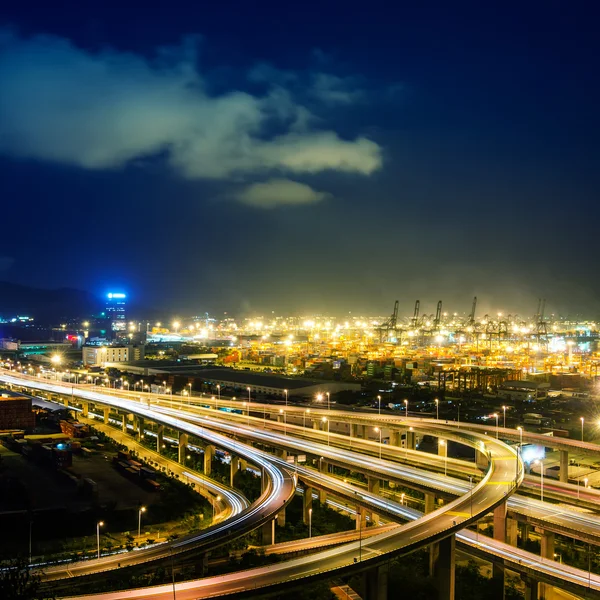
282, 412
378, 430
496, 416
249, 400
541, 463
445, 445
217, 499
218, 396
306, 411
402, 498
328, 401
190, 385
286, 398
582, 420
142, 510
520, 430
504, 418
437, 409
406, 407
310, 522
379, 404
325, 420
98, 525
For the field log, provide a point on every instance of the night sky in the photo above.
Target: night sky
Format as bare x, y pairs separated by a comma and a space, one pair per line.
313, 156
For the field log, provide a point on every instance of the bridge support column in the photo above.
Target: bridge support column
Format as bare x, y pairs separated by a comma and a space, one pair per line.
376, 583
395, 438
65, 401
85, 408
410, 440
547, 544
441, 562
316, 426
209, 452
160, 438
481, 459
531, 588
124, 424
512, 531
267, 533
281, 518
106, 412
307, 504
500, 523
183, 443
140, 428
353, 430
361, 518
442, 448
429, 502
374, 483
564, 466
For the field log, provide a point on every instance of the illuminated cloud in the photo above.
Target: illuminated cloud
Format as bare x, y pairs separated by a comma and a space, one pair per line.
102, 110
279, 192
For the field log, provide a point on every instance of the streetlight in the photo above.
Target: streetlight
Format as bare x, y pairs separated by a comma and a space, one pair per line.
249, 400
98, 525
282, 412
218, 396
309, 520
443, 443
217, 499
142, 510
496, 415
520, 430
504, 420
328, 401
402, 498
325, 420
541, 463
306, 411
437, 409
379, 403
406, 407
582, 420
286, 398
378, 430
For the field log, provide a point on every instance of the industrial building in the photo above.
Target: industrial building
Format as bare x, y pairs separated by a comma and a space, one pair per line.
15, 411
100, 356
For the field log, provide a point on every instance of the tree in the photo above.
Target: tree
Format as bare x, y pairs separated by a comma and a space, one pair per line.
19, 582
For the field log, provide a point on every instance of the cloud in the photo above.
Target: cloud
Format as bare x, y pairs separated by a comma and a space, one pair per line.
101, 110
279, 192
332, 89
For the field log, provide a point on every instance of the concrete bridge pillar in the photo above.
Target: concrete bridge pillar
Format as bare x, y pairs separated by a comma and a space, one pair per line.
481, 459
316, 426
323, 497
106, 412
410, 440
429, 502
353, 430
500, 523
183, 443
395, 438
124, 423
441, 562
160, 438
512, 531
442, 447
376, 583
140, 428
374, 484
85, 406
306, 504
564, 466
267, 533
361, 518
531, 588
209, 452
547, 544
281, 518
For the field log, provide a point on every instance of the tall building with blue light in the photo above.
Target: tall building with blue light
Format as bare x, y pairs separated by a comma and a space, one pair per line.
115, 310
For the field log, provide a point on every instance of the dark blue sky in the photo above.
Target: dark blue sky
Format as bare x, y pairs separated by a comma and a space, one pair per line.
321, 156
